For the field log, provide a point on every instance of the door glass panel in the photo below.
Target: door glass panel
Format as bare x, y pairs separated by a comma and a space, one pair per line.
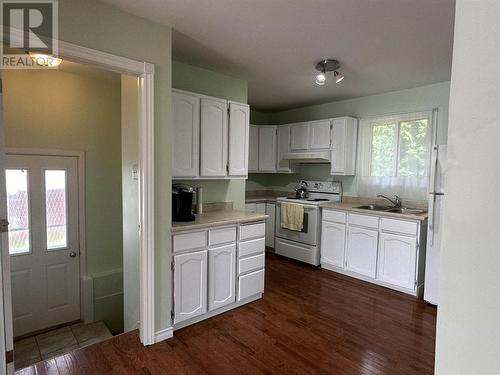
56, 209
18, 213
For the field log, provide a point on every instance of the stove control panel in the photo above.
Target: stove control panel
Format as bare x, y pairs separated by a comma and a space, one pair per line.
324, 186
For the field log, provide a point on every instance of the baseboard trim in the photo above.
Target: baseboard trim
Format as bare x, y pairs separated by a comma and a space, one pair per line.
164, 334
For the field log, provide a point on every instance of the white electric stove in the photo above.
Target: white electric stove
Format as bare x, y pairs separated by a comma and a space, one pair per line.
304, 245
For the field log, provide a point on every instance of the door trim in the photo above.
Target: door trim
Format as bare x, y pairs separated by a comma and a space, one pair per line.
145, 72
86, 304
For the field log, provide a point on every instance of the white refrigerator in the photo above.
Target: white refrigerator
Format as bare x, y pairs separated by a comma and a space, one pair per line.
435, 223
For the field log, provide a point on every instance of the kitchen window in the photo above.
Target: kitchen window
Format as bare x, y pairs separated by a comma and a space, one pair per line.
394, 155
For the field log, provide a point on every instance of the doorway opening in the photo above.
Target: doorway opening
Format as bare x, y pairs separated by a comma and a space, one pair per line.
72, 213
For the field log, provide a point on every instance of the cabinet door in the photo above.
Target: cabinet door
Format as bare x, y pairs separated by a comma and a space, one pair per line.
238, 139
213, 156
319, 135
186, 135
338, 140
299, 137
190, 289
267, 148
283, 144
260, 208
397, 260
253, 149
333, 244
361, 254
221, 276
271, 212
251, 207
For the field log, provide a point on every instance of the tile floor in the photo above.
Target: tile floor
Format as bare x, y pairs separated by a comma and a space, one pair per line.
59, 341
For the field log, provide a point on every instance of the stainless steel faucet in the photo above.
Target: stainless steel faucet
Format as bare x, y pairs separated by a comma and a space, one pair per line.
396, 201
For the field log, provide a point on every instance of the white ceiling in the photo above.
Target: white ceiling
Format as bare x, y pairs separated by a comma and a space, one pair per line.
383, 45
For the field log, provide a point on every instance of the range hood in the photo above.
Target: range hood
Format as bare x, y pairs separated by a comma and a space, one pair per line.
308, 157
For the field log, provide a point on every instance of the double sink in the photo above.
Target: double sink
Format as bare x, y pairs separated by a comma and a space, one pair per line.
400, 210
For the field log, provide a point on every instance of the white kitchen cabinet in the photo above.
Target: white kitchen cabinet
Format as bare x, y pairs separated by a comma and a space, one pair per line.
299, 135
271, 212
267, 149
283, 147
361, 251
397, 260
185, 134
221, 276
333, 244
344, 146
319, 135
253, 149
251, 207
213, 138
239, 115
190, 289
260, 208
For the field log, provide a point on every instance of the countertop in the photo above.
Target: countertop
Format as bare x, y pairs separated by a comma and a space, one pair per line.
351, 207
217, 218
263, 199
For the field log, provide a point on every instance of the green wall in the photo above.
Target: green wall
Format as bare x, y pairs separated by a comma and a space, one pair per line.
259, 118
203, 81
425, 97
103, 27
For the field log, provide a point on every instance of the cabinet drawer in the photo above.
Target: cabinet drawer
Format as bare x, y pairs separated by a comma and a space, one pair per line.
251, 284
363, 220
252, 263
221, 235
251, 247
252, 231
190, 241
399, 226
335, 216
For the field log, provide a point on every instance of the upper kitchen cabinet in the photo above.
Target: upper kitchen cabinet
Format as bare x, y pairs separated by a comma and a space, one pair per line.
253, 149
213, 139
344, 142
283, 147
299, 135
267, 149
319, 135
186, 134
239, 115
210, 137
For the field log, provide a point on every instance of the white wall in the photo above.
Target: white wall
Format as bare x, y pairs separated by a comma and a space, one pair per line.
130, 194
468, 330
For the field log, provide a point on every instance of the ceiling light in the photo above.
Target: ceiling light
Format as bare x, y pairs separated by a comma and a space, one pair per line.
325, 66
45, 60
338, 77
321, 79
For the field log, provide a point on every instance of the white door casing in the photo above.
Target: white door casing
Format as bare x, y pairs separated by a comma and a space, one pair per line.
45, 270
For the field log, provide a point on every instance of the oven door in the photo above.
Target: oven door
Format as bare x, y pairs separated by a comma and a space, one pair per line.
309, 234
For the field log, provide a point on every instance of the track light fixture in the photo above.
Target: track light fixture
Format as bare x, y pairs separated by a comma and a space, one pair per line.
328, 65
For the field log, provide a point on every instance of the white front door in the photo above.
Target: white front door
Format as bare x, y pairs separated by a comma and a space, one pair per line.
42, 205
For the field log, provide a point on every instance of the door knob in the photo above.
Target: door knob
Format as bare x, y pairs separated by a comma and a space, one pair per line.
72, 254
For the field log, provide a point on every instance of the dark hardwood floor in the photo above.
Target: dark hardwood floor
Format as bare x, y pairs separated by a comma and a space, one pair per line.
310, 321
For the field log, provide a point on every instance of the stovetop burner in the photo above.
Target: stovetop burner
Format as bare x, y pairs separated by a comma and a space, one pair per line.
318, 200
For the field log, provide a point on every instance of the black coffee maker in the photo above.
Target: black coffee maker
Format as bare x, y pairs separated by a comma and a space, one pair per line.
182, 203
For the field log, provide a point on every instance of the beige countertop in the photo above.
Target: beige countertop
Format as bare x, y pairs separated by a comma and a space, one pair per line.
344, 206
263, 199
217, 218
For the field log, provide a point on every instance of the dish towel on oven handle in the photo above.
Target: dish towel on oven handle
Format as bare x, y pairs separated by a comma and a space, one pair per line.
292, 216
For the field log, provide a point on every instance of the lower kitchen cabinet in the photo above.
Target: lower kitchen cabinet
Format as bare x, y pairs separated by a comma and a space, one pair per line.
190, 285
397, 260
221, 276
333, 244
361, 252
270, 225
